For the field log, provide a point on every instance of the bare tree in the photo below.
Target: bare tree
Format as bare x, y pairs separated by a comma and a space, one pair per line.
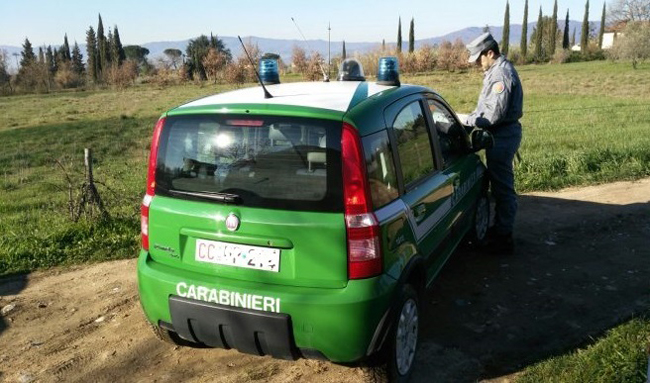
628, 10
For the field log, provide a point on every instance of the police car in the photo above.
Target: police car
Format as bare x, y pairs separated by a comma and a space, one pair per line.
310, 221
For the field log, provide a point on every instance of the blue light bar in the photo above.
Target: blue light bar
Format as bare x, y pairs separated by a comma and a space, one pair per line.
269, 72
388, 71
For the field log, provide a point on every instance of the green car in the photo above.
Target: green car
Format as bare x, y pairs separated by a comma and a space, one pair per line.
310, 223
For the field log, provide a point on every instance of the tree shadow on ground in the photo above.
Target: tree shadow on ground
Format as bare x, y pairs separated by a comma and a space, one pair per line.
580, 268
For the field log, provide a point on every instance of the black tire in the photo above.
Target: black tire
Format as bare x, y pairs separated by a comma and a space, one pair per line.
172, 338
403, 338
477, 235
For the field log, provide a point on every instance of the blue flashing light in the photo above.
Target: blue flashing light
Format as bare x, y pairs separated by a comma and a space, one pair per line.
269, 71
388, 71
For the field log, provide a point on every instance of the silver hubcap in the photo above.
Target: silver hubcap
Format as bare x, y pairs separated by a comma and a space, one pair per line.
407, 336
482, 218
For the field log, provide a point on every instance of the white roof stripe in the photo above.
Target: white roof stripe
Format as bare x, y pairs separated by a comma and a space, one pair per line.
335, 95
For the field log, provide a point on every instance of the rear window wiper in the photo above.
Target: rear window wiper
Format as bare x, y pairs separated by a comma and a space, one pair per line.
221, 197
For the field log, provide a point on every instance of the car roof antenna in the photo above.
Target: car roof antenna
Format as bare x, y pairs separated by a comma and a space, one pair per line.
326, 78
266, 92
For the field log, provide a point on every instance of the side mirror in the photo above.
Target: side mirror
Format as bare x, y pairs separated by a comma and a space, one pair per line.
481, 139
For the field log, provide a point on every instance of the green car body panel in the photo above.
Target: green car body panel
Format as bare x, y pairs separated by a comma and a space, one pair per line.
342, 319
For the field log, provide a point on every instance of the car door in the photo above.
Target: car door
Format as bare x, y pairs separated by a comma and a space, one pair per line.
426, 190
459, 165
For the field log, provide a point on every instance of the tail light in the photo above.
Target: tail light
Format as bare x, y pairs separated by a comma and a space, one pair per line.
151, 184
364, 248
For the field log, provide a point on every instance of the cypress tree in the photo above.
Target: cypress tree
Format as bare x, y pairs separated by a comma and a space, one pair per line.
110, 45
565, 37
102, 48
539, 37
584, 38
552, 34
573, 37
412, 36
91, 50
345, 55
65, 49
383, 44
505, 42
119, 56
602, 28
524, 33
41, 56
399, 35
77, 60
50, 60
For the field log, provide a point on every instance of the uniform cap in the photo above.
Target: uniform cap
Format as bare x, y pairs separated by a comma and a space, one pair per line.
480, 44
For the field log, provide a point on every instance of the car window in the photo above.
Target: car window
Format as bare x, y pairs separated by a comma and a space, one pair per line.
271, 162
449, 132
413, 143
380, 168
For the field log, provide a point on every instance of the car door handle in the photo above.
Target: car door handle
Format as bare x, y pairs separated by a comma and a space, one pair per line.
419, 212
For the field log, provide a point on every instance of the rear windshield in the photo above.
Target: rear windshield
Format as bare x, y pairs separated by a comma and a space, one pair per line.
270, 162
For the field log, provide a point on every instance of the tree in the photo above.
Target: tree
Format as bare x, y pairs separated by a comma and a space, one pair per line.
565, 36
383, 45
65, 49
601, 33
584, 38
174, 56
196, 51
102, 47
136, 53
544, 37
399, 35
214, 63
551, 31
505, 41
299, 59
573, 37
539, 37
28, 56
629, 10
77, 60
92, 54
5, 77
344, 54
51, 60
486, 29
524, 33
633, 44
117, 51
412, 36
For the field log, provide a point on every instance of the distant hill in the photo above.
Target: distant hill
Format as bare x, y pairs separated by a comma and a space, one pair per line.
285, 47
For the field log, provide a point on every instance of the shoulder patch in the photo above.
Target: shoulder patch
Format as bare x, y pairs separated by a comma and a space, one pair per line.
498, 87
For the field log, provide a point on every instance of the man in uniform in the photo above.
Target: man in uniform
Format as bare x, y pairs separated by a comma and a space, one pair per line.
500, 106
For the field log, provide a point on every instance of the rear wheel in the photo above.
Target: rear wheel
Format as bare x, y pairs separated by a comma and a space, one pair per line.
403, 342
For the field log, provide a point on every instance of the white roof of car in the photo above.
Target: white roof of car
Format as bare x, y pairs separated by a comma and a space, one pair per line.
334, 95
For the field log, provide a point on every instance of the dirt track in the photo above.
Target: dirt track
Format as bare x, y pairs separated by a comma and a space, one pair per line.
582, 265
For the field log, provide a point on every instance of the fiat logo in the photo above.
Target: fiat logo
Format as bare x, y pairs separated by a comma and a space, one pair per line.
232, 222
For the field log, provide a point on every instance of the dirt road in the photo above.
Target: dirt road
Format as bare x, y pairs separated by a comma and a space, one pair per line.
582, 266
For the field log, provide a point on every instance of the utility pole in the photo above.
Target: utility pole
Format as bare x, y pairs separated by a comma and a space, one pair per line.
329, 40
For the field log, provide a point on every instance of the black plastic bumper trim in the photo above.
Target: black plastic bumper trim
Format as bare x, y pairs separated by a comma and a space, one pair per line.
248, 331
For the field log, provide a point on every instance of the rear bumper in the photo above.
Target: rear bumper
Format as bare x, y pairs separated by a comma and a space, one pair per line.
342, 325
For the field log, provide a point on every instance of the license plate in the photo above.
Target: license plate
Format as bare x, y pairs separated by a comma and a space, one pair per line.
233, 254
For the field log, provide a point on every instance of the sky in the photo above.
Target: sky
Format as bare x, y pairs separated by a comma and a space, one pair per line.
45, 22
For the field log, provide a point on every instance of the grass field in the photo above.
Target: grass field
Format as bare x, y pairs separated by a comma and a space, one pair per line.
584, 123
